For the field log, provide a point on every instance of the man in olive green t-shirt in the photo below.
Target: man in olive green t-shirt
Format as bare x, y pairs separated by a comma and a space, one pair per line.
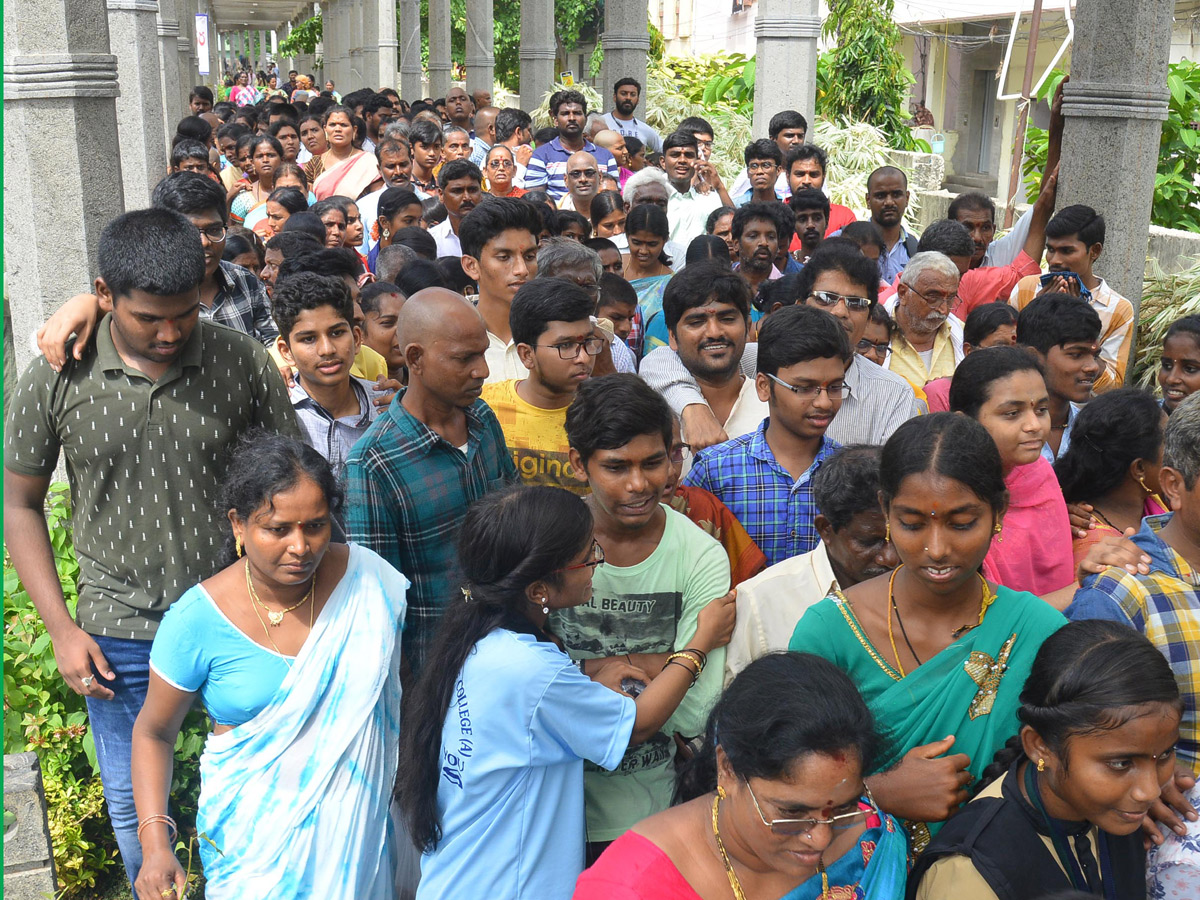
146, 419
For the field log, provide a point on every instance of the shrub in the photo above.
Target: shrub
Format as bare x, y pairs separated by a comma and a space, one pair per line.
42, 714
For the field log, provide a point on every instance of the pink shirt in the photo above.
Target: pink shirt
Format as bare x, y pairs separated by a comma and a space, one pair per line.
1033, 551
987, 284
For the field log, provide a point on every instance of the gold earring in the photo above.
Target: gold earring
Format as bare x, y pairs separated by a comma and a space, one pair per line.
996, 532
887, 532
237, 546
1141, 479
1041, 766
721, 792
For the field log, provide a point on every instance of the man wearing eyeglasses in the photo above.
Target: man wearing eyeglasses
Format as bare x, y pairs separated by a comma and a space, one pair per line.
551, 321
765, 477
763, 161
843, 282
229, 294
928, 340
583, 183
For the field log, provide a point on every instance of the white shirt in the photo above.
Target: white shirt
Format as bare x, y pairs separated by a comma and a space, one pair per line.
771, 603
880, 401
745, 416
504, 363
687, 213
447, 240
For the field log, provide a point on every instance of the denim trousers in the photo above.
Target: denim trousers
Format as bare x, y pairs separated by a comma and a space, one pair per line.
112, 729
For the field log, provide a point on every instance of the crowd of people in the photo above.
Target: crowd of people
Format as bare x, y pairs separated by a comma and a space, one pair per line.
534, 516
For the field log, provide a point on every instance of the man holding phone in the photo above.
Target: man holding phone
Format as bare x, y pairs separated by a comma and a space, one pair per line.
1074, 242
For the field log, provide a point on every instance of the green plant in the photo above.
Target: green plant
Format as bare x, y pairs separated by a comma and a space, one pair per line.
864, 78
1165, 298
1176, 191
302, 39
42, 714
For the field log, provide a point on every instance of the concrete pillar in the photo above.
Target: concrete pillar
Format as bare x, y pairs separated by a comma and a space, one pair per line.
626, 42
28, 854
358, 75
1114, 106
439, 48
132, 26
168, 61
60, 113
537, 52
786, 33
480, 52
410, 50
185, 49
380, 43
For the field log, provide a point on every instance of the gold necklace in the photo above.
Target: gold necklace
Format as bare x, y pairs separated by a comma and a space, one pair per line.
275, 616
986, 601
736, 885
287, 660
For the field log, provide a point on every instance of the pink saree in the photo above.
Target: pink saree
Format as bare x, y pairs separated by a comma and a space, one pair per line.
348, 178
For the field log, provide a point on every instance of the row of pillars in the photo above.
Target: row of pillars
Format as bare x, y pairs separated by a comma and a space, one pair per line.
364, 46
257, 47
93, 90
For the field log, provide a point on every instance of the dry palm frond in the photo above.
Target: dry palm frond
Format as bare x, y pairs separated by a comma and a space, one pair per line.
1165, 298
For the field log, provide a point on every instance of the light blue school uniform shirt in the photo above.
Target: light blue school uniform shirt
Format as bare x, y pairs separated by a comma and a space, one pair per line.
521, 722
1047, 453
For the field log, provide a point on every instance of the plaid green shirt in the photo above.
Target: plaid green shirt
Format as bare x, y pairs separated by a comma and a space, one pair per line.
407, 491
1165, 607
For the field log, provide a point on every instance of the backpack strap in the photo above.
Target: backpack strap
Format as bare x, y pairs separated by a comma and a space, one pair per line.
1008, 854
910, 244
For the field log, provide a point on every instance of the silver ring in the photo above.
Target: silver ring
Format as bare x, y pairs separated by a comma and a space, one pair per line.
87, 680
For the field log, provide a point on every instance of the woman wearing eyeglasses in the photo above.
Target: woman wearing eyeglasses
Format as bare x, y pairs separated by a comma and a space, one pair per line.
775, 802
491, 762
500, 168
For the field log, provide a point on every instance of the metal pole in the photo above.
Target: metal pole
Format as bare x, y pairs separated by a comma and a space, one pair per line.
1014, 178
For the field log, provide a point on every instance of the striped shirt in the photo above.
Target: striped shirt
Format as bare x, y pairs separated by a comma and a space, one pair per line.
407, 491
548, 167
879, 402
1116, 328
778, 513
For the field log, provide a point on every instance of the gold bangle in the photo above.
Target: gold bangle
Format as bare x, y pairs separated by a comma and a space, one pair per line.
700, 656
172, 828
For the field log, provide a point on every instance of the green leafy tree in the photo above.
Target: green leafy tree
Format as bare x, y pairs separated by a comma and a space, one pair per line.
864, 78
303, 39
1176, 193
574, 20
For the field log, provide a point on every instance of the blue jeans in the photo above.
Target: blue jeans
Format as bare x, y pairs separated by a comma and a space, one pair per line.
112, 729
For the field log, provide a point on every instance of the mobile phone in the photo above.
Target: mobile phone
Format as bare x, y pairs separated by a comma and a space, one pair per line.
1069, 277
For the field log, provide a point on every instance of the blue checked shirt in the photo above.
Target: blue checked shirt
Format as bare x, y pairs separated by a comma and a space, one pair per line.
1164, 606
242, 304
778, 513
407, 491
548, 167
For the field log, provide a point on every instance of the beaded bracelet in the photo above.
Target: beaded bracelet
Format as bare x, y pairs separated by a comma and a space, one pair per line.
674, 662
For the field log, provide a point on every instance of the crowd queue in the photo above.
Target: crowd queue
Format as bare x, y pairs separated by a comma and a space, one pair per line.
535, 516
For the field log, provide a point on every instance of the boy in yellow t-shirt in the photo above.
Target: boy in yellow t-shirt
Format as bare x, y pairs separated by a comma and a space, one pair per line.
551, 322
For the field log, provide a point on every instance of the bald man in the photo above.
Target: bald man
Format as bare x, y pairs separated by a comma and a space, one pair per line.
485, 134
583, 183
437, 449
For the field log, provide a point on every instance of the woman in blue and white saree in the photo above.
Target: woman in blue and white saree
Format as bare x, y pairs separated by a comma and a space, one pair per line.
294, 649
